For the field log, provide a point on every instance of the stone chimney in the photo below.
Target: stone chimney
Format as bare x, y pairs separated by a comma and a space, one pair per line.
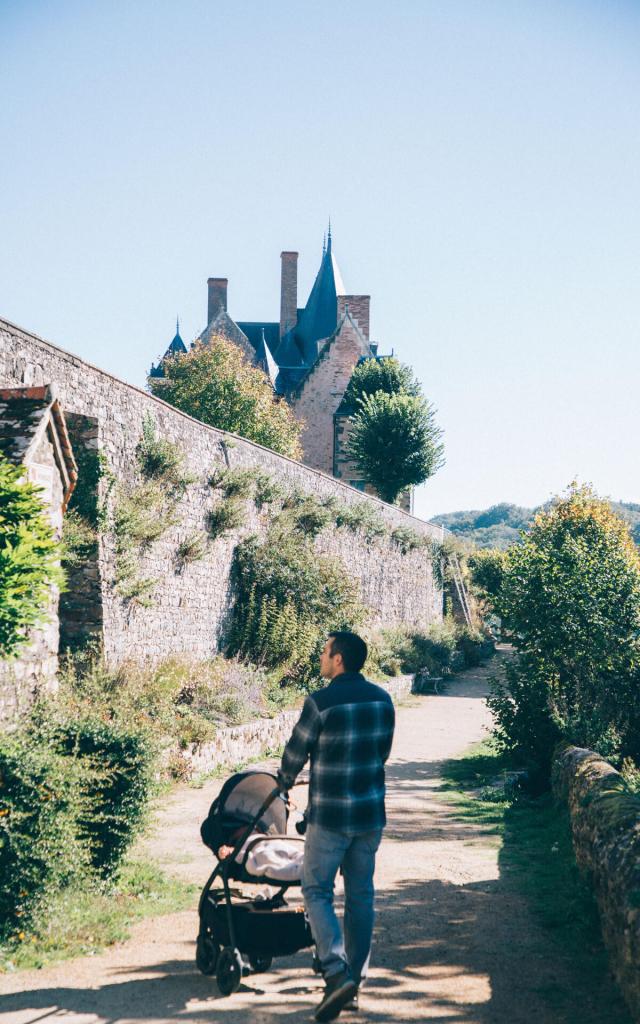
217, 297
288, 291
358, 308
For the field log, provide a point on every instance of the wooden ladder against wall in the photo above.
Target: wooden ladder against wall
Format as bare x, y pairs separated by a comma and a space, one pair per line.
461, 590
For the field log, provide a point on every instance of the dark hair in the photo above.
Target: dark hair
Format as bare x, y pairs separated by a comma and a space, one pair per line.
352, 648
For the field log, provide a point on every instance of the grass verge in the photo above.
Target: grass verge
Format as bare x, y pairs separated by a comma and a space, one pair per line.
82, 922
536, 860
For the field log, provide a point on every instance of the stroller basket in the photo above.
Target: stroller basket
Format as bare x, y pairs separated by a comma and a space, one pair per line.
259, 930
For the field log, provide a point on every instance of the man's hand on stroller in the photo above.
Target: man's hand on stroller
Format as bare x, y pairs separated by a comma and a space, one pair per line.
283, 787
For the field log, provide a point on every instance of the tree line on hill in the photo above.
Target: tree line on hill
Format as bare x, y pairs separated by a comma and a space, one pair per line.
500, 525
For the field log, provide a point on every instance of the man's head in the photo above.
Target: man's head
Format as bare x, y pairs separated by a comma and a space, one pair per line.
343, 652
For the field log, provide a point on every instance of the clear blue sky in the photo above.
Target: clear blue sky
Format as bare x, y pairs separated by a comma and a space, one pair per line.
480, 162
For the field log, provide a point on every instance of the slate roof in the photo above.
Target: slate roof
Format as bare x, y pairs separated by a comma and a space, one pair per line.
288, 352
177, 347
254, 329
319, 318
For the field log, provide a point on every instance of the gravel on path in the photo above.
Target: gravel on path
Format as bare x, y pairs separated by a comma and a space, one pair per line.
453, 942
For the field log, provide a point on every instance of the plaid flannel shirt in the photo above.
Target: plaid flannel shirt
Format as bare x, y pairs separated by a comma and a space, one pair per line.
346, 730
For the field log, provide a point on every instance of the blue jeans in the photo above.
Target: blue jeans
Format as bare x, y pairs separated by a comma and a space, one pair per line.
324, 852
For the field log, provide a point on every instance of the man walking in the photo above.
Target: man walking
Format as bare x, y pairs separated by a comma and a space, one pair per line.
346, 730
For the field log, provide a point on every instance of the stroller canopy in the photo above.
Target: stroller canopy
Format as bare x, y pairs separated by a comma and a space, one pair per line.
239, 803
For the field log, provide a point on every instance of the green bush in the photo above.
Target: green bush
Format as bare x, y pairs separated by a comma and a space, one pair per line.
570, 597
442, 649
287, 599
29, 559
235, 483
294, 497
79, 539
363, 518
116, 762
471, 644
229, 515
311, 517
523, 725
268, 491
408, 539
143, 514
179, 698
40, 852
160, 459
193, 548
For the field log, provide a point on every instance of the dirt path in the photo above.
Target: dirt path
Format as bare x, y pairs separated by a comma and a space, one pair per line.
453, 943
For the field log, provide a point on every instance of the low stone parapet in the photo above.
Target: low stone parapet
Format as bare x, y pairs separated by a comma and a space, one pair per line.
605, 822
237, 744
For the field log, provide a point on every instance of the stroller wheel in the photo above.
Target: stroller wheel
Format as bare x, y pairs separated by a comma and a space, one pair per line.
229, 971
260, 962
206, 954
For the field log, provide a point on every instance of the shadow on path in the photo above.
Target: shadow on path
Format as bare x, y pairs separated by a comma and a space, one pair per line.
451, 952
442, 954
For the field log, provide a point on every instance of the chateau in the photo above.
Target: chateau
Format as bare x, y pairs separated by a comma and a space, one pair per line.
309, 355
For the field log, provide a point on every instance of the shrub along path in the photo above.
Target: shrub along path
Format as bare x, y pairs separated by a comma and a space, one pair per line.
455, 942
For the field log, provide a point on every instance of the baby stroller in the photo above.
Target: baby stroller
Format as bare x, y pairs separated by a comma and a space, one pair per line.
232, 924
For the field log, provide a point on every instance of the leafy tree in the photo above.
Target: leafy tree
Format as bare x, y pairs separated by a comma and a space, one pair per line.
29, 558
395, 441
387, 374
487, 571
570, 595
217, 385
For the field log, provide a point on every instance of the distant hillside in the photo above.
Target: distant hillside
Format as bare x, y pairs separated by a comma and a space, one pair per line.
500, 525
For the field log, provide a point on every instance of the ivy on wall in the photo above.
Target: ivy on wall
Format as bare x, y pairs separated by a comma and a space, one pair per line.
144, 511
286, 599
138, 514
29, 558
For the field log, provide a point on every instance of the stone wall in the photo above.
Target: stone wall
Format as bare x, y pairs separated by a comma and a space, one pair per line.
191, 602
605, 822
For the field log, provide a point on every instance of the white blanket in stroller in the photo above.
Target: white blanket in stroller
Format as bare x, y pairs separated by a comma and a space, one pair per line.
275, 856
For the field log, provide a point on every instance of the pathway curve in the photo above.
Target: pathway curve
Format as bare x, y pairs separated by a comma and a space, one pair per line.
453, 943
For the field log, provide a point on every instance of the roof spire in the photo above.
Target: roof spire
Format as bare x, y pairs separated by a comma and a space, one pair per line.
329, 237
324, 243
177, 324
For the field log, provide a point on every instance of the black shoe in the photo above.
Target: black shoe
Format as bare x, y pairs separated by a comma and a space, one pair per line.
353, 1005
339, 989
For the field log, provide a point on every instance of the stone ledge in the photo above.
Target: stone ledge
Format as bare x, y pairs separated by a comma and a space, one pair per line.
237, 744
605, 823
